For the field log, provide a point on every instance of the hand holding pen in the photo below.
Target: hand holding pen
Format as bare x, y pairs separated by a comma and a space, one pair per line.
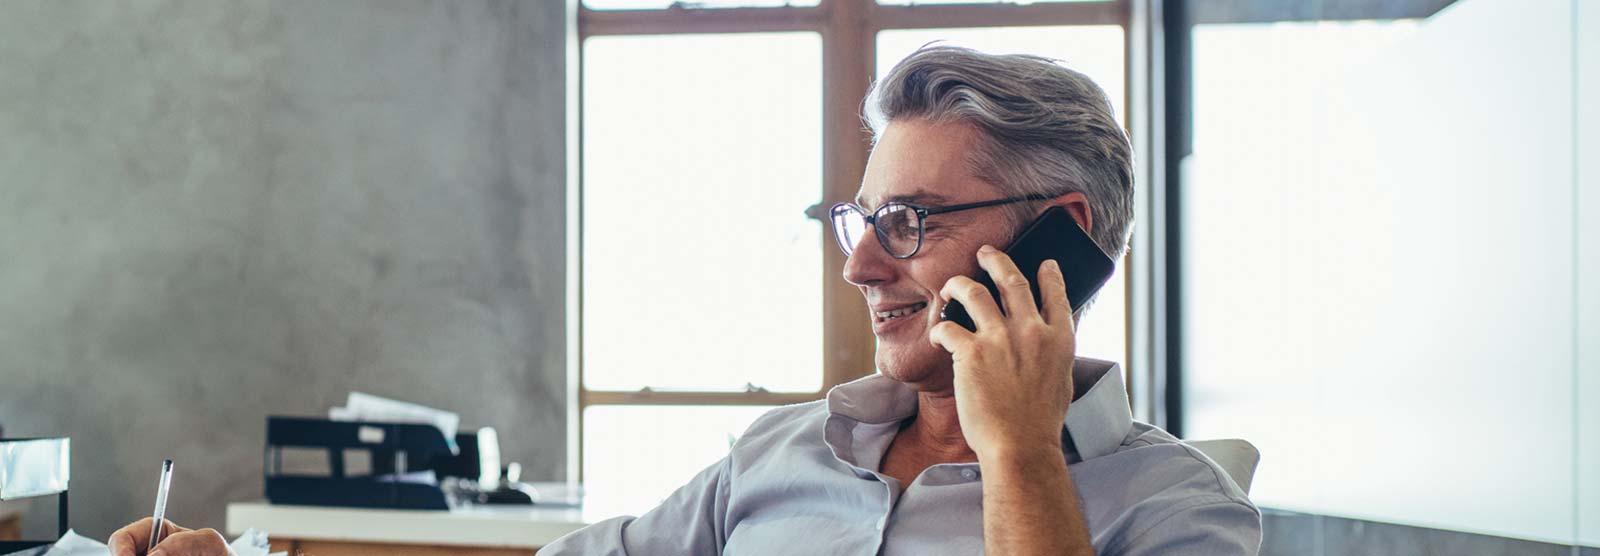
155, 536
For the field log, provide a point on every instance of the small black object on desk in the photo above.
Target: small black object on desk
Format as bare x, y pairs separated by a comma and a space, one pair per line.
37, 467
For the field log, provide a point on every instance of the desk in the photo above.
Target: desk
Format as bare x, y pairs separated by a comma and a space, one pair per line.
479, 531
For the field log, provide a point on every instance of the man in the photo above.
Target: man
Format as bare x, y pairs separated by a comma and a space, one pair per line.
998, 441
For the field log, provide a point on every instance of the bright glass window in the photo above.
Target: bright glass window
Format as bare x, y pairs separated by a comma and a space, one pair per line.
659, 4
700, 269
1379, 278
636, 455
935, 2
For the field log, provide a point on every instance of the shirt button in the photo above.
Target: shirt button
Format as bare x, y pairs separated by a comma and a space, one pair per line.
969, 474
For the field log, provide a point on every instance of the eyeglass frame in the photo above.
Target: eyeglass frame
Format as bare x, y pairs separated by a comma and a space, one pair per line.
922, 215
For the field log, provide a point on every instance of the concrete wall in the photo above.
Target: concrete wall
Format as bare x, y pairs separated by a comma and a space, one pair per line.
215, 211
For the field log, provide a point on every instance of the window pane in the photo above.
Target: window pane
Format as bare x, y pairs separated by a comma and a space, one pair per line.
933, 2
700, 269
1094, 50
1378, 264
634, 456
658, 4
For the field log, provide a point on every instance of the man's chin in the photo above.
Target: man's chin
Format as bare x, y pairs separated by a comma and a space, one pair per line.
919, 370
901, 373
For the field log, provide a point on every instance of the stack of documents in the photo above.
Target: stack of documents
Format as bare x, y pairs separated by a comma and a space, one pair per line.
251, 543
360, 406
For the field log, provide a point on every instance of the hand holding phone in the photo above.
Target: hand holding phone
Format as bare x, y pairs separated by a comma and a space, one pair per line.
1054, 235
1013, 380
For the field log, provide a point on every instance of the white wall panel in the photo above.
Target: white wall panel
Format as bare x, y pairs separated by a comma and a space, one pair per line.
1379, 267
1588, 279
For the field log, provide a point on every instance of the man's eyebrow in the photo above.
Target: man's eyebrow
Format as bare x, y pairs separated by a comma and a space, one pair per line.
925, 198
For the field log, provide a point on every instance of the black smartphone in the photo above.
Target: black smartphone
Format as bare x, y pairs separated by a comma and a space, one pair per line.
1054, 235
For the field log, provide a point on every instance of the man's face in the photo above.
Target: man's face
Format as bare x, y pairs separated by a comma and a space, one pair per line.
925, 164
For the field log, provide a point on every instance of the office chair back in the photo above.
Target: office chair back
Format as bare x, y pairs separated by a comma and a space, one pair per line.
1236, 456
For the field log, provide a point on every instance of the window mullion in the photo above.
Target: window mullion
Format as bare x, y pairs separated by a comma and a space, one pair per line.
1000, 15
650, 397
848, 55
593, 23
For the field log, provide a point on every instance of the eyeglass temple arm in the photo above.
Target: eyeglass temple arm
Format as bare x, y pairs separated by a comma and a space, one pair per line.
1006, 201
818, 212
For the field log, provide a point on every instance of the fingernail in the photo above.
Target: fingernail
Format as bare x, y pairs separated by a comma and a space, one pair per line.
157, 552
986, 248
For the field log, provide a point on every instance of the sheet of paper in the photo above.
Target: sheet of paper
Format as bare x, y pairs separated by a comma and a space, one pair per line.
360, 406
251, 543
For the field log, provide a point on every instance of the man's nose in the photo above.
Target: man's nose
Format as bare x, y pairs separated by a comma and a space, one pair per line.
869, 263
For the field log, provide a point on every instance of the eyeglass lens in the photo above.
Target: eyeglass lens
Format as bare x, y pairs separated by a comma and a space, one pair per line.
898, 228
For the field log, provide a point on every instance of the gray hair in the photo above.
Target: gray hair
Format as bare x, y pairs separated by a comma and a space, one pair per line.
1046, 129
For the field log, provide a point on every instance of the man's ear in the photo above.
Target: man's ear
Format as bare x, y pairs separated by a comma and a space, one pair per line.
1077, 205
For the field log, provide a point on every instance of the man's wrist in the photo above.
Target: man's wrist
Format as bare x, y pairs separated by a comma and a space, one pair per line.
1023, 457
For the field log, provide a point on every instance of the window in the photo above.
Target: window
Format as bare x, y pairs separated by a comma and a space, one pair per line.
1380, 262
720, 127
612, 455
698, 4
724, 169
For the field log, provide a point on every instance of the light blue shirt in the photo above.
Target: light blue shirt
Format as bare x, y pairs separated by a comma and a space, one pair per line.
804, 480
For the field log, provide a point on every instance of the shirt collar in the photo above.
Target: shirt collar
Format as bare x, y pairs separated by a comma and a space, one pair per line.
1095, 425
1099, 419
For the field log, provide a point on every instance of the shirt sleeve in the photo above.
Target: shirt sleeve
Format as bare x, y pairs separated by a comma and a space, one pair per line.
692, 521
1216, 527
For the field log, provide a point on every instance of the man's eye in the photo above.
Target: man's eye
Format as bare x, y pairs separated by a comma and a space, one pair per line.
898, 224
903, 231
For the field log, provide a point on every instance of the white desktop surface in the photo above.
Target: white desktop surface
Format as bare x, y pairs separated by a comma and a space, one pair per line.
480, 526
488, 527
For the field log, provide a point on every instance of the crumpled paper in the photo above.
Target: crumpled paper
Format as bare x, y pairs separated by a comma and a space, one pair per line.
251, 543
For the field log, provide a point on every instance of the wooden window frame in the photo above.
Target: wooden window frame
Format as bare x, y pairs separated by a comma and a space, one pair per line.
848, 30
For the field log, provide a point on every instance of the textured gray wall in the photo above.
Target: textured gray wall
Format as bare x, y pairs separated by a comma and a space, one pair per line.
214, 211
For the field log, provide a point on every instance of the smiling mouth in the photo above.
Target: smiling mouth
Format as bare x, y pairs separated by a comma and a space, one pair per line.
903, 312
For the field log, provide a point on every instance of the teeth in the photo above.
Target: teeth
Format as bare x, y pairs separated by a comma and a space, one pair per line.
900, 312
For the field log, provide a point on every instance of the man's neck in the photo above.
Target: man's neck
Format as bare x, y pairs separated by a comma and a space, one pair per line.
936, 430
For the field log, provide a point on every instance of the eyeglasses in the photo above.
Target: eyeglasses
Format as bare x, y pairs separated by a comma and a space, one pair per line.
898, 225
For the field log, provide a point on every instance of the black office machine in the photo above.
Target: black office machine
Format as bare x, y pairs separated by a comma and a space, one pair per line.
407, 466
393, 450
